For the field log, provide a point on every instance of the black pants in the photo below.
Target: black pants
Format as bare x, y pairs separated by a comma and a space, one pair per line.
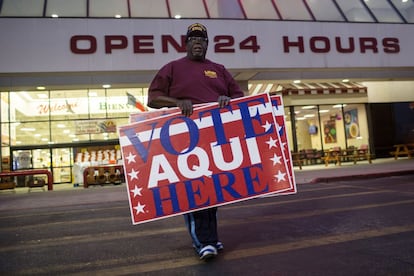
202, 226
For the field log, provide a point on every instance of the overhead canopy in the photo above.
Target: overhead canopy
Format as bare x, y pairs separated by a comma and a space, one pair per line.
312, 88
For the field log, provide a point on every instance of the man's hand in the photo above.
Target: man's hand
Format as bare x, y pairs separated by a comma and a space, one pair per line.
186, 107
223, 101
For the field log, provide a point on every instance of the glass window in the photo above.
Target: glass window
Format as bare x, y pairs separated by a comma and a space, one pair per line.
123, 102
64, 8
187, 9
224, 9
355, 11
97, 103
41, 158
288, 128
307, 127
68, 104
333, 132
4, 107
4, 134
108, 129
108, 8
356, 125
325, 10
63, 131
118, 103
264, 10
22, 8
32, 133
293, 10
406, 8
29, 106
145, 8
383, 11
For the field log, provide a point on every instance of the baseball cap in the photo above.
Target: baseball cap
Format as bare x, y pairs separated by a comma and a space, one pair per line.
197, 29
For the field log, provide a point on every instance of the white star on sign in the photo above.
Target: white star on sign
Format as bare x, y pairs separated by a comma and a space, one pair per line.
131, 158
267, 126
139, 208
137, 191
271, 142
276, 159
133, 174
280, 176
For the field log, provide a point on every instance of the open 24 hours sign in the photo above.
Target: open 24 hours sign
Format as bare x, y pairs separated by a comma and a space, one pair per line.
176, 164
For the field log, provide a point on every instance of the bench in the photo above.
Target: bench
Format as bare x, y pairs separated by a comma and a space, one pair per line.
362, 153
297, 159
403, 150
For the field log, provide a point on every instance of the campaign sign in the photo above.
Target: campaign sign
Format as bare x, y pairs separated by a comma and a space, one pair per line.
142, 116
279, 112
175, 164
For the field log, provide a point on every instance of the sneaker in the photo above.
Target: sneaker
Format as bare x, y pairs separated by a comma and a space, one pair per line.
207, 252
219, 246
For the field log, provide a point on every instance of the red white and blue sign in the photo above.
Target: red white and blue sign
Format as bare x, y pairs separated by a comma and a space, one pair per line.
175, 164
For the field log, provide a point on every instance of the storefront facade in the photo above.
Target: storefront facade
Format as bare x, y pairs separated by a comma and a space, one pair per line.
64, 82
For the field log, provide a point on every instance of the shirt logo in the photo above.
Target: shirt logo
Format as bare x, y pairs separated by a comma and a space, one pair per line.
210, 74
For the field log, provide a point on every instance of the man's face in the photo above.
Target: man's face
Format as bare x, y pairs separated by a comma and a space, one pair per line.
196, 47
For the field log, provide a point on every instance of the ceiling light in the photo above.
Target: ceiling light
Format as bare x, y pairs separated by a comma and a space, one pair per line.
177, 16
54, 15
345, 80
40, 88
106, 86
27, 129
296, 81
308, 107
118, 16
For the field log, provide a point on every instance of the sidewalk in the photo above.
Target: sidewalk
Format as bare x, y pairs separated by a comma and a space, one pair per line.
379, 168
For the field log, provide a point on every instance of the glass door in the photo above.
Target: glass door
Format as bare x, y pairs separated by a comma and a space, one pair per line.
62, 160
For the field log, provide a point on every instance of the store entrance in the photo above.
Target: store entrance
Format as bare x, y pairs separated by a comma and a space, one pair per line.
64, 161
58, 160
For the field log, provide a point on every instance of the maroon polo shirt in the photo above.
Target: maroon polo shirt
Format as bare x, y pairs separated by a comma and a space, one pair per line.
198, 81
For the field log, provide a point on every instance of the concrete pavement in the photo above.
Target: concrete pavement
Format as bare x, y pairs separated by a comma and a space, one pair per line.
110, 193
379, 168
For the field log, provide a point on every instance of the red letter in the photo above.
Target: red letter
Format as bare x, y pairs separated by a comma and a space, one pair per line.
140, 43
391, 45
74, 44
287, 44
339, 47
368, 43
109, 45
167, 39
325, 48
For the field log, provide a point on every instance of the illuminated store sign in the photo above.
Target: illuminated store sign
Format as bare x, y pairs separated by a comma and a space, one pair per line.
144, 44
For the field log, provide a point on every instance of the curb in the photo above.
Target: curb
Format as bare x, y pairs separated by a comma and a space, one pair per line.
359, 177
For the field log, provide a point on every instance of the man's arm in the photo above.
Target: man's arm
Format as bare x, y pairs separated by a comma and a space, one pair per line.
186, 106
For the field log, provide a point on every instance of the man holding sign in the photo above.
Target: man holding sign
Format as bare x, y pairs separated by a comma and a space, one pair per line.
195, 80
